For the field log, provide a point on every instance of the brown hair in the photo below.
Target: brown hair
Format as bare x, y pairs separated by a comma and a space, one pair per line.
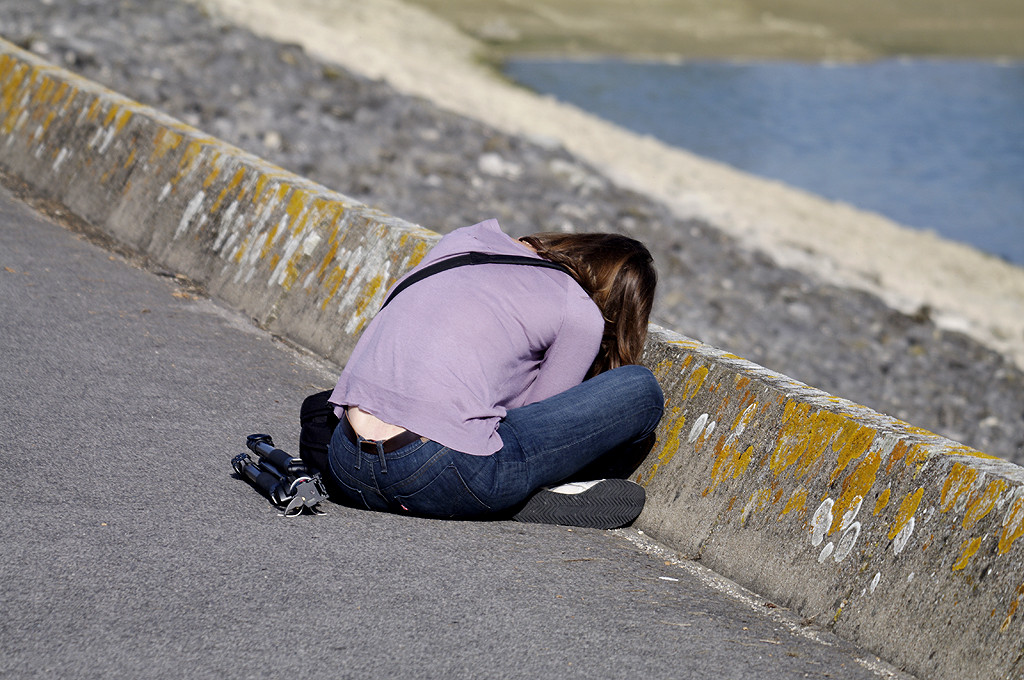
618, 274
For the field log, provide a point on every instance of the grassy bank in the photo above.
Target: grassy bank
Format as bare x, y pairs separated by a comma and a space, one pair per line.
758, 29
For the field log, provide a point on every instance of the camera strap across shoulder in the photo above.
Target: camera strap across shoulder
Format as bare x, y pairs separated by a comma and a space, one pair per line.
471, 258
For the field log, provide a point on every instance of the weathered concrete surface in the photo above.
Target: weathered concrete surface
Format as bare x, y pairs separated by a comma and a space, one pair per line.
895, 537
899, 540
304, 261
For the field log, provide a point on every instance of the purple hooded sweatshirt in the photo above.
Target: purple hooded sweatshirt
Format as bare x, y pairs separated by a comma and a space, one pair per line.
452, 353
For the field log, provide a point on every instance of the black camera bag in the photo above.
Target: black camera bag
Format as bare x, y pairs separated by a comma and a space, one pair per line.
317, 420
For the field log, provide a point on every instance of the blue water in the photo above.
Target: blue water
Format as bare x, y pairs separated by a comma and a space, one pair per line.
933, 144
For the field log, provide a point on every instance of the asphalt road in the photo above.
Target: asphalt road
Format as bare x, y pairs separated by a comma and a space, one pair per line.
131, 550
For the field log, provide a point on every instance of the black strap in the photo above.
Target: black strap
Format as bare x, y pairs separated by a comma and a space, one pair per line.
471, 258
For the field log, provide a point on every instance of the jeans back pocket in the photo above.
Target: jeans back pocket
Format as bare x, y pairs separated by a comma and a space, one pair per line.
444, 495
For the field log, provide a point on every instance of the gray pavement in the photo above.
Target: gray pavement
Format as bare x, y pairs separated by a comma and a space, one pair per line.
131, 550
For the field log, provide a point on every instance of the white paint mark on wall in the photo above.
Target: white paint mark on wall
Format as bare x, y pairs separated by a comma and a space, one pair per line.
851, 514
108, 138
698, 427
375, 264
874, 581
18, 124
821, 522
190, 211
230, 242
96, 138
900, 542
60, 159
847, 542
281, 270
825, 552
744, 420
248, 264
310, 244
225, 226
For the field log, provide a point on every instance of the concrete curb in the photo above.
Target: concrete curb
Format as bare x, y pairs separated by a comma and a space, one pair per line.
895, 538
305, 262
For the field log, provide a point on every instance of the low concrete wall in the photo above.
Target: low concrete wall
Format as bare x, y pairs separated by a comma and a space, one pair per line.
895, 538
891, 536
306, 262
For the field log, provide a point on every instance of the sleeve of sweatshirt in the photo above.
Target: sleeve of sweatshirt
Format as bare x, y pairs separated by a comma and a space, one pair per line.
576, 344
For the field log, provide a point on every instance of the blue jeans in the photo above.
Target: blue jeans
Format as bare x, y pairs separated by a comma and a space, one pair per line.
543, 443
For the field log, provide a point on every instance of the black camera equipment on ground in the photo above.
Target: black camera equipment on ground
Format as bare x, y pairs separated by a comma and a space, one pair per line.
288, 482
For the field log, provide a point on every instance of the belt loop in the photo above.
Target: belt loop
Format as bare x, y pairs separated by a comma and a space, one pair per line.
359, 451
380, 453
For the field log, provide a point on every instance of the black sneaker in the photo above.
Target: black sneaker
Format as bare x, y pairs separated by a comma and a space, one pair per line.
601, 504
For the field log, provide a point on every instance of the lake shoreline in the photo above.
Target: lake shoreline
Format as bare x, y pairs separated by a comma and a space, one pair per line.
931, 144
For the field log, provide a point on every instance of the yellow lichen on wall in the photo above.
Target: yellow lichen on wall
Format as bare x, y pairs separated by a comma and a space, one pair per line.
882, 502
797, 501
92, 112
759, 500
662, 370
230, 187
325, 262
1013, 526
126, 115
1012, 609
856, 486
967, 550
295, 208
305, 213
12, 74
730, 460
849, 443
216, 166
671, 445
805, 436
795, 440
111, 115
64, 89
331, 285
982, 504
687, 343
164, 141
40, 94
369, 291
960, 479
906, 512
910, 454
419, 250
694, 382
269, 241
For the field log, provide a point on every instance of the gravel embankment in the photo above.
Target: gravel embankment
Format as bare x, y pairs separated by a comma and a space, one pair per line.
443, 171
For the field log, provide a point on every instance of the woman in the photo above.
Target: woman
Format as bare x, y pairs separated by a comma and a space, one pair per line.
475, 387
